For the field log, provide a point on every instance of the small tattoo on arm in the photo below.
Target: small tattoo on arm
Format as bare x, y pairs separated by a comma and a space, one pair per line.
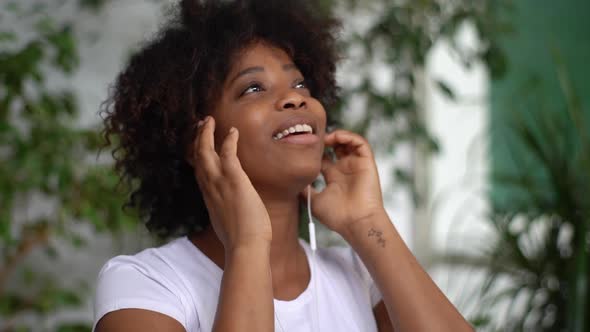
378, 235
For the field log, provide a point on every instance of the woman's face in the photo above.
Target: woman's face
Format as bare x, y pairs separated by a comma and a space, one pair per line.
265, 97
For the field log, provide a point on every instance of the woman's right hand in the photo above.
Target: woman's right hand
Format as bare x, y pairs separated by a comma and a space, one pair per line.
236, 211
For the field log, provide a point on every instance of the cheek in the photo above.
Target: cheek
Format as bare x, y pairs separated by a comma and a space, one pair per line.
320, 114
238, 117
257, 152
252, 127
253, 156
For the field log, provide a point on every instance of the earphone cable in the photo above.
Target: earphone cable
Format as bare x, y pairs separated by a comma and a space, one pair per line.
314, 271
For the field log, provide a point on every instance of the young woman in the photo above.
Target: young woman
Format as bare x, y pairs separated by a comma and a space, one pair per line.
221, 128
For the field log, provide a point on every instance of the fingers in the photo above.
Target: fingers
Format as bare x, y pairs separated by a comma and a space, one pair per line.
330, 171
209, 164
230, 144
345, 143
228, 153
204, 149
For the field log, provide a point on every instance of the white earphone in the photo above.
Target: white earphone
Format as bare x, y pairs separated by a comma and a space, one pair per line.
313, 244
311, 224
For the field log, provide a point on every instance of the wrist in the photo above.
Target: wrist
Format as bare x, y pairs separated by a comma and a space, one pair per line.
247, 250
247, 240
361, 227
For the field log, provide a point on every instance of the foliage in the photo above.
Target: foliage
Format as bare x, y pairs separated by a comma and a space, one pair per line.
399, 36
538, 263
44, 157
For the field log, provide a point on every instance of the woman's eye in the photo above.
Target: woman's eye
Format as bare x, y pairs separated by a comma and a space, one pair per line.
301, 85
252, 88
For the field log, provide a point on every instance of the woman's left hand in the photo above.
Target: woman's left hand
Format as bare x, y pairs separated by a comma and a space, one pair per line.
353, 191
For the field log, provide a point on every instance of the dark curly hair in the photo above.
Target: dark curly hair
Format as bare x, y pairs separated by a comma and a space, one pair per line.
175, 79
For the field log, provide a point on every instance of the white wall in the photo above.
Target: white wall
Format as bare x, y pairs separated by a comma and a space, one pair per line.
457, 203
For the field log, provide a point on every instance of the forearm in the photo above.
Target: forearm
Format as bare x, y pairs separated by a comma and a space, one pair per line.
246, 298
413, 301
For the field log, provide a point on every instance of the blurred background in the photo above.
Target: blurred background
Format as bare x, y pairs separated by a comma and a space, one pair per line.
479, 113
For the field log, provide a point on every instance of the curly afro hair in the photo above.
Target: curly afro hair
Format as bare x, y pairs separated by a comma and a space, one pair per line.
176, 78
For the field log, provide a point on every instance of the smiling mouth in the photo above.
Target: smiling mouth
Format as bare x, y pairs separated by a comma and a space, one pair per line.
298, 129
302, 139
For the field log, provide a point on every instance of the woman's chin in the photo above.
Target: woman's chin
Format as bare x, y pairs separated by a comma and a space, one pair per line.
288, 180
304, 173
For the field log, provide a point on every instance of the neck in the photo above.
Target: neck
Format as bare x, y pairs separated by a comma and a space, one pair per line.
287, 258
284, 216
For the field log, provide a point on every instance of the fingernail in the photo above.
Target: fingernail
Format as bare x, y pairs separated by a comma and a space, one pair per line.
232, 130
207, 118
200, 123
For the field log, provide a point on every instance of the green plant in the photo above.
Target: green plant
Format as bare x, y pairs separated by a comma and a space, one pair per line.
538, 263
44, 157
399, 35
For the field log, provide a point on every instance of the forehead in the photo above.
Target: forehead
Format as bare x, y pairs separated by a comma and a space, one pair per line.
259, 54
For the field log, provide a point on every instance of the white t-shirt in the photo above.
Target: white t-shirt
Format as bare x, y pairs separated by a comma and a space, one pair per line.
178, 280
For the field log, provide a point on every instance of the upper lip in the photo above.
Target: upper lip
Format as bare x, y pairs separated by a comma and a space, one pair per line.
295, 120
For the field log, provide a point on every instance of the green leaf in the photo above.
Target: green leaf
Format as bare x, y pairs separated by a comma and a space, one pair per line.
496, 61
46, 25
66, 57
51, 252
10, 303
28, 276
78, 241
72, 327
92, 4
446, 89
7, 36
12, 6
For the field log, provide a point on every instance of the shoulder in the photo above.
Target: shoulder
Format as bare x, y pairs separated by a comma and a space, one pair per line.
155, 265
148, 280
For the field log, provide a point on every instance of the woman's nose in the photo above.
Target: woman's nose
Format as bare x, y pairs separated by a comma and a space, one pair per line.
291, 100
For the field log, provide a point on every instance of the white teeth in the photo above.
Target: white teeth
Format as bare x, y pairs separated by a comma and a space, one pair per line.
299, 128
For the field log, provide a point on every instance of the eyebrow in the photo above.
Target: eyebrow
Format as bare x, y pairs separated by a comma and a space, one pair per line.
257, 69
